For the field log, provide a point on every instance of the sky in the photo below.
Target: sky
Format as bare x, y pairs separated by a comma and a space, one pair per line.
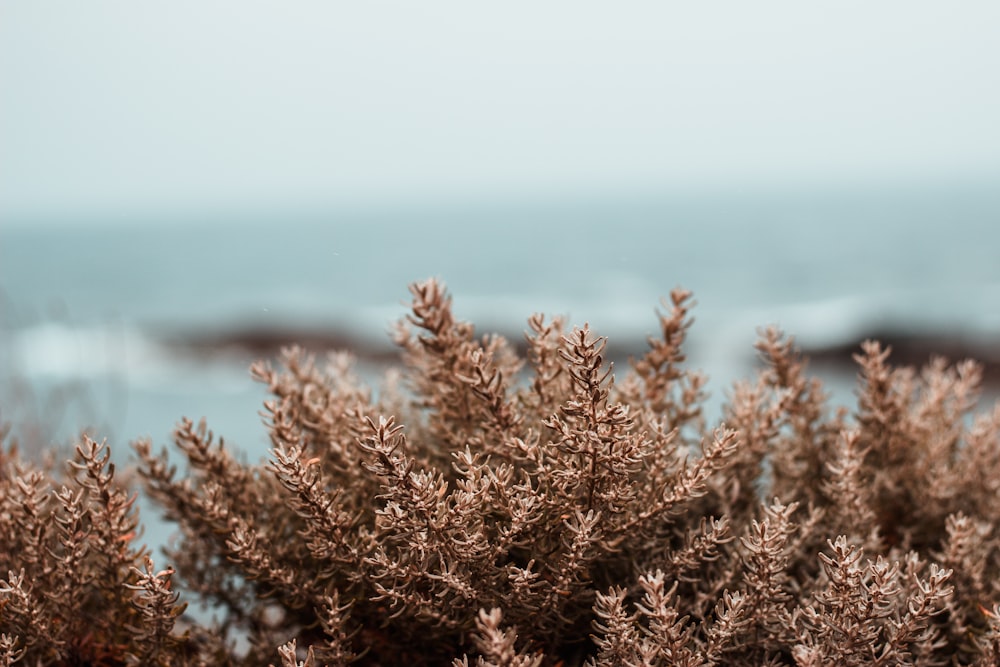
119, 108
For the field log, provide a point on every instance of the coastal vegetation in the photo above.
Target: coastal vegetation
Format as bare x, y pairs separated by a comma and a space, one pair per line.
497, 505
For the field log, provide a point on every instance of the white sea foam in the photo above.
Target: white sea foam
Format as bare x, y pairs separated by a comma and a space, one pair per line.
56, 351
53, 353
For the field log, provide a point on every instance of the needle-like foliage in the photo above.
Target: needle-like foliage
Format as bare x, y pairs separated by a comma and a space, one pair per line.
495, 509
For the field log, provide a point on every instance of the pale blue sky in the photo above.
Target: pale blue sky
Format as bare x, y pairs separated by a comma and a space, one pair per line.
118, 108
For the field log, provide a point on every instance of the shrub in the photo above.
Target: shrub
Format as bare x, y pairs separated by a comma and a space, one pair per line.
490, 507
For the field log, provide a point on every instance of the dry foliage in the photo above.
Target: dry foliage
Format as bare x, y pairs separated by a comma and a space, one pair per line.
499, 511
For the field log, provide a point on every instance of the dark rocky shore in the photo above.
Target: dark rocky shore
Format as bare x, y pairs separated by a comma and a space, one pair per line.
265, 342
916, 349
909, 349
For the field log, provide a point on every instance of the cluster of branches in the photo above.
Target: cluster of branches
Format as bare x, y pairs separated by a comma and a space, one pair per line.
492, 509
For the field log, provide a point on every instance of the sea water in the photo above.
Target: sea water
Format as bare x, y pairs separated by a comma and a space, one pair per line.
87, 308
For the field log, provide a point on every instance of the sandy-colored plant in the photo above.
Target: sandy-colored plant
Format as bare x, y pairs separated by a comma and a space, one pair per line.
529, 509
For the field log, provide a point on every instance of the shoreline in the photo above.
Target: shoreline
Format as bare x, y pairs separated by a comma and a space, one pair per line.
907, 348
916, 350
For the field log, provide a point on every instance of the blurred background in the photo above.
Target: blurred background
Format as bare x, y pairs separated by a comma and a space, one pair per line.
186, 185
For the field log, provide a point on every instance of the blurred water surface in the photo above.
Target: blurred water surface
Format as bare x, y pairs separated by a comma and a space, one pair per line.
86, 309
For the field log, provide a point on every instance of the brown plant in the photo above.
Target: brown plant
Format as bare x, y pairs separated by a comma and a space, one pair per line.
499, 510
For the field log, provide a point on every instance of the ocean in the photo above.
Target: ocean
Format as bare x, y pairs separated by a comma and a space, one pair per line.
94, 316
